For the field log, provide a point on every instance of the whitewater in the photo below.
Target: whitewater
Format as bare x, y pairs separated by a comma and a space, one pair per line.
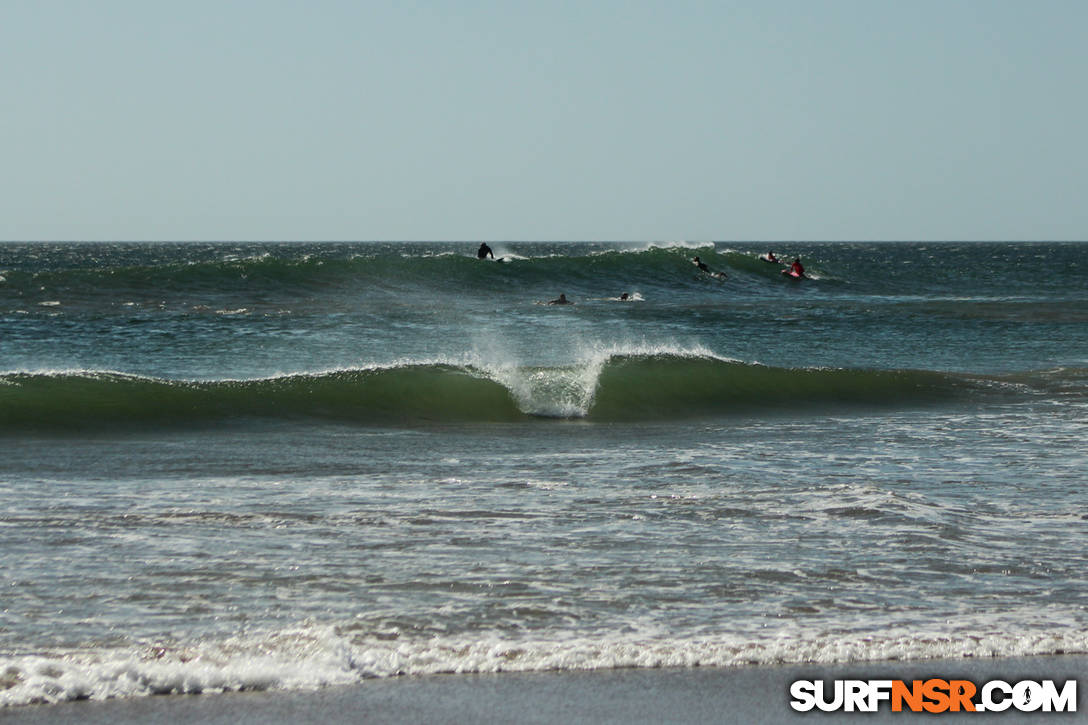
277, 466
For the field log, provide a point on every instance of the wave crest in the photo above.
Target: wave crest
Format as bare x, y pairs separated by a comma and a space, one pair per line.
612, 387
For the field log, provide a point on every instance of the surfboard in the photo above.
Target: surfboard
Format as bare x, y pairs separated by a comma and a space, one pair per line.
792, 275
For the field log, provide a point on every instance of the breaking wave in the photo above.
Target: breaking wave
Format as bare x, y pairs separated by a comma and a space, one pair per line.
613, 387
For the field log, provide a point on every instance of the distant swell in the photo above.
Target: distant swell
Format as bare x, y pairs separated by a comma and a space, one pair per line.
626, 388
66, 277
263, 274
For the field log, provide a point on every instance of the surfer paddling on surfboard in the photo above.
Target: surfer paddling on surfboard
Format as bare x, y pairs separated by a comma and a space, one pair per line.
562, 300
703, 268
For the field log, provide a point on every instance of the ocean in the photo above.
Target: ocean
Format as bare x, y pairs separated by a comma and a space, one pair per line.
255, 466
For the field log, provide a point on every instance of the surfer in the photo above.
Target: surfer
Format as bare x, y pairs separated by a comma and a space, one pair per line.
770, 257
703, 268
561, 301
484, 251
796, 268
624, 297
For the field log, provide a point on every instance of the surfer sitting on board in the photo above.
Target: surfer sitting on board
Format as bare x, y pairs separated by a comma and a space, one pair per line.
561, 301
484, 251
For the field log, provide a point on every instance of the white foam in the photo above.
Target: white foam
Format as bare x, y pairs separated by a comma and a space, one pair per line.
568, 391
316, 657
679, 245
502, 252
632, 297
91, 373
294, 660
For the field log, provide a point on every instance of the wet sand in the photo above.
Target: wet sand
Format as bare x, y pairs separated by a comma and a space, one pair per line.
699, 695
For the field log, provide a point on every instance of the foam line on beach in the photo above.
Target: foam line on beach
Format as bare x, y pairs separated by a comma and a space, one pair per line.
317, 657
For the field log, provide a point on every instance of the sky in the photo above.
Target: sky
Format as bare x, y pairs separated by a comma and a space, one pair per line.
559, 120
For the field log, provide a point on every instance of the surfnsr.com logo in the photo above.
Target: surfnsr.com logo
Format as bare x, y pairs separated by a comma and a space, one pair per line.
934, 696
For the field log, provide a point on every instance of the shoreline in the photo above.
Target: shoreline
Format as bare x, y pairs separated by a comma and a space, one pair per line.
756, 694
